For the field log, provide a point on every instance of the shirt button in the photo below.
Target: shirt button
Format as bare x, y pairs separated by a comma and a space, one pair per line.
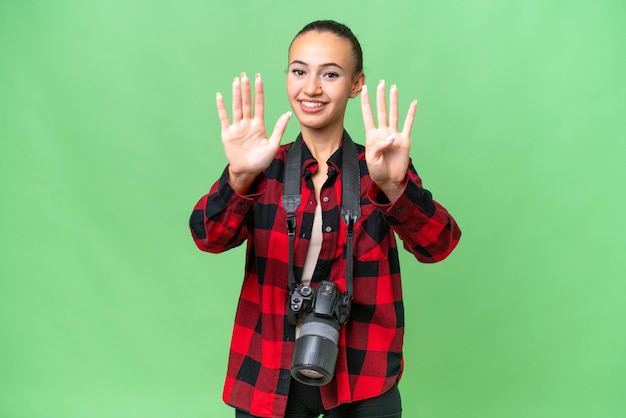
329, 229
397, 211
325, 199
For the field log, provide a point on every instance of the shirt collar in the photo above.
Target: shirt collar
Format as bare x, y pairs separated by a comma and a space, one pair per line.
333, 162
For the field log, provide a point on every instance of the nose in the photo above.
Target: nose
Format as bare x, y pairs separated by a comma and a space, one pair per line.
312, 87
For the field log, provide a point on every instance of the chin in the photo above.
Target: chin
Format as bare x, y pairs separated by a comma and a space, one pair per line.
314, 121
310, 124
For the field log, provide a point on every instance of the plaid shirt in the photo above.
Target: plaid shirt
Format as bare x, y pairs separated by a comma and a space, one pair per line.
370, 344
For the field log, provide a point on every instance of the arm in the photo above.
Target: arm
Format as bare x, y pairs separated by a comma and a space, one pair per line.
218, 221
425, 227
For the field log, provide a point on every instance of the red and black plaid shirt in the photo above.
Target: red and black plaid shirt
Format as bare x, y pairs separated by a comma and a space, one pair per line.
370, 344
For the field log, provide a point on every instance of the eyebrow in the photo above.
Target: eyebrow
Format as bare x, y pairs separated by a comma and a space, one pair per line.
329, 64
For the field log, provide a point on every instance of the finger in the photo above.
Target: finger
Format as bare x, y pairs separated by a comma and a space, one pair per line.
381, 104
279, 129
410, 117
391, 138
393, 108
245, 96
221, 111
237, 112
259, 107
366, 110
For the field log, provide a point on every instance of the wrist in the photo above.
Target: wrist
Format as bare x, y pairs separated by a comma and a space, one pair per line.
241, 182
393, 190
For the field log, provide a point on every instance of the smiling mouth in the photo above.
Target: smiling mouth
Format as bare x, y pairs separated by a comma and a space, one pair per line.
311, 106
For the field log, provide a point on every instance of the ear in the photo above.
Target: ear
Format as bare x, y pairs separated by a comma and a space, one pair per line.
357, 85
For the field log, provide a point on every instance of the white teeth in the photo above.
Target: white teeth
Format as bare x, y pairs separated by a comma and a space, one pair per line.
312, 104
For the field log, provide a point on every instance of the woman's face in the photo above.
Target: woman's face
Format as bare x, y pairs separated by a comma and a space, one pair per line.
321, 78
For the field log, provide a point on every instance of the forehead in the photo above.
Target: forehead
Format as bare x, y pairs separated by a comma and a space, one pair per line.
321, 48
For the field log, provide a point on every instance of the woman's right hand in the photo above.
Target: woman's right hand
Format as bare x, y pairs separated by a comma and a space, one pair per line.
248, 149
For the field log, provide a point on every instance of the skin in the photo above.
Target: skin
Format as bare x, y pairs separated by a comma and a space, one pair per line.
320, 81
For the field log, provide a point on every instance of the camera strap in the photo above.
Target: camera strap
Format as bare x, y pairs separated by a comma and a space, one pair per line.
350, 203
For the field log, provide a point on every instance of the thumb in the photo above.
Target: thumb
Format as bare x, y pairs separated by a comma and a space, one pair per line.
279, 128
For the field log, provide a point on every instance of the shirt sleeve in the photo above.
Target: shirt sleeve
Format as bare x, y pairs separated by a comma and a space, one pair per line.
425, 227
219, 219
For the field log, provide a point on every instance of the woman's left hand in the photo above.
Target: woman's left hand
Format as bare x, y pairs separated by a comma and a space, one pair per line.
387, 149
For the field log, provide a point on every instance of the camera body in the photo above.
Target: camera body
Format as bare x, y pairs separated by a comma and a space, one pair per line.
324, 309
325, 301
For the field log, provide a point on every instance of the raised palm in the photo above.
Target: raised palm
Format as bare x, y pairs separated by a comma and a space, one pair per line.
387, 149
248, 148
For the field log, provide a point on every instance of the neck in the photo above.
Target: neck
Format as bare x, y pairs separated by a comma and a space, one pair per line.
322, 142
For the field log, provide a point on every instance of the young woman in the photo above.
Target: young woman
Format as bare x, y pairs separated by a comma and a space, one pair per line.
246, 203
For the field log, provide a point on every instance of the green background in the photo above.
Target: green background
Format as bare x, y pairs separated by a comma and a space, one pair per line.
109, 135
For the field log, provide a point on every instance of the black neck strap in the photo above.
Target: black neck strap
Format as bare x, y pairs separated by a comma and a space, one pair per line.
350, 202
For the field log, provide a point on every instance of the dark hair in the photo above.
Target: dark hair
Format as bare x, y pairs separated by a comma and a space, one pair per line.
340, 30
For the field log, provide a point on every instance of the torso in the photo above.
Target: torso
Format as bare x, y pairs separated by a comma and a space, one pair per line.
318, 178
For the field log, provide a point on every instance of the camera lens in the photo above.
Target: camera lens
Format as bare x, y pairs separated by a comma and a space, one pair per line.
315, 351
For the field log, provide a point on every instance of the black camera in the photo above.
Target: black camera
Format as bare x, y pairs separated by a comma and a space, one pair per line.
324, 309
